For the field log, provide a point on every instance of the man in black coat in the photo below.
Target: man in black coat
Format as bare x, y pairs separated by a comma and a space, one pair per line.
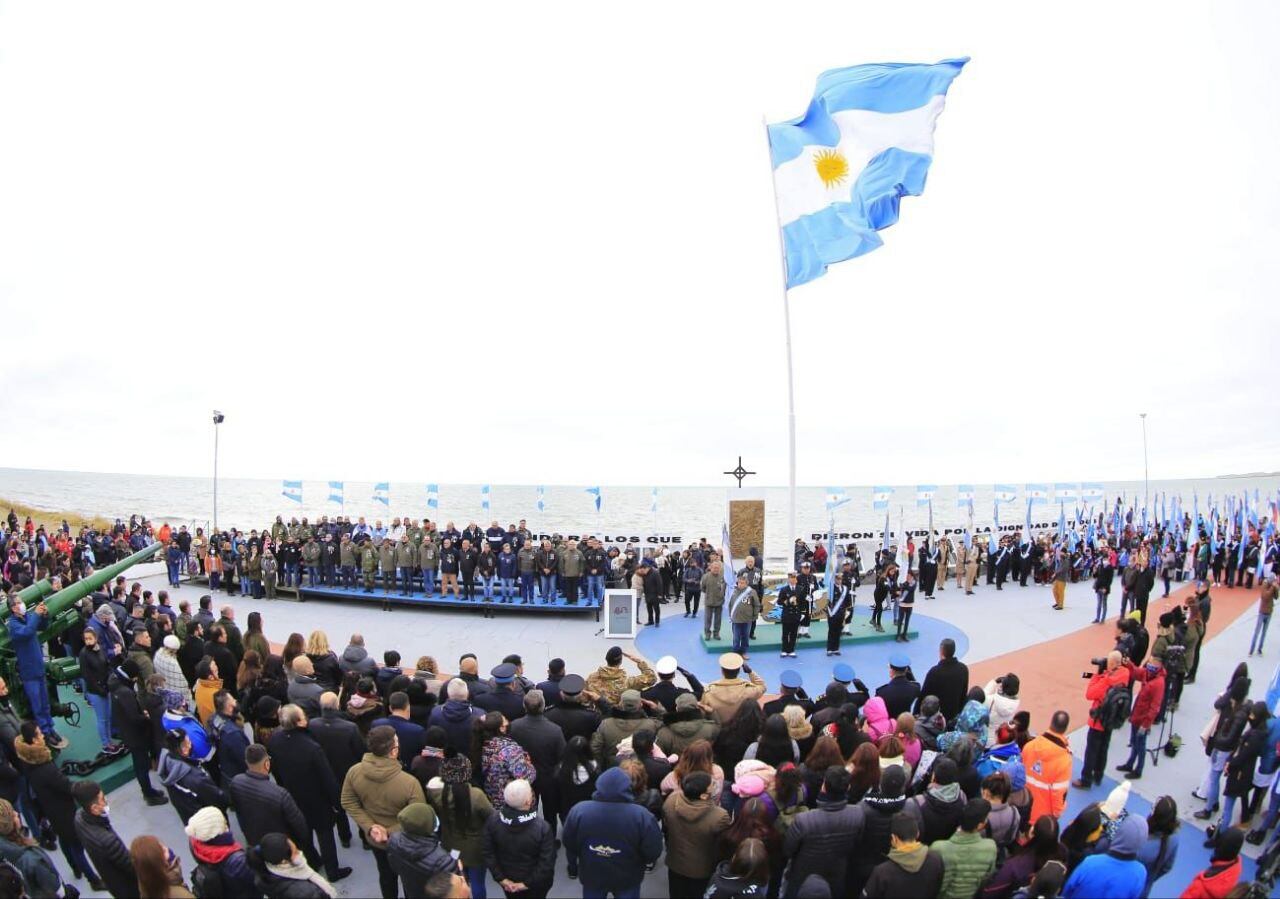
551, 686
265, 807
216, 648
303, 769
134, 726
665, 690
102, 843
948, 680
52, 790
544, 741
503, 697
343, 747
901, 692
575, 715
821, 840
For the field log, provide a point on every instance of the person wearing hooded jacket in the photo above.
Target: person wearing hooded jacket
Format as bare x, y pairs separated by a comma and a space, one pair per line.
189, 787
879, 806
1241, 766
415, 851
910, 868
221, 866
624, 721
694, 823
822, 840
685, 726
135, 726
52, 791
1219, 879
1002, 700
1233, 712
609, 840
941, 806
519, 847
1116, 873
455, 716
356, 658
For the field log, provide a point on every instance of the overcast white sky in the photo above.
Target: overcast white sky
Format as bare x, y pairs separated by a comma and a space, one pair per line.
534, 243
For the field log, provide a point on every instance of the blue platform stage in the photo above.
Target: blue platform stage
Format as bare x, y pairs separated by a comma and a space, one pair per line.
487, 606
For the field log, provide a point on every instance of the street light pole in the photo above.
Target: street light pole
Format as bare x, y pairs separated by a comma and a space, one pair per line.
217, 420
1146, 501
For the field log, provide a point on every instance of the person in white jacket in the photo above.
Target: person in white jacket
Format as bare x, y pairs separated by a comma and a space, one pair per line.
1002, 700
166, 664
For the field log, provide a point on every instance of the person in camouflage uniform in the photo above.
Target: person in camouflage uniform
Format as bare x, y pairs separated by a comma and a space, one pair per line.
609, 681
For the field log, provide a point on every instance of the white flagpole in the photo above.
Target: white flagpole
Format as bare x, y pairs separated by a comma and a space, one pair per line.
791, 387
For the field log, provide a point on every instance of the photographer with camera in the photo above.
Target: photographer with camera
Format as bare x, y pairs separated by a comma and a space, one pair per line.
1145, 709
1109, 703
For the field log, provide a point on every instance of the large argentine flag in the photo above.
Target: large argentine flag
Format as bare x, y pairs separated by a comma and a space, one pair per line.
841, 168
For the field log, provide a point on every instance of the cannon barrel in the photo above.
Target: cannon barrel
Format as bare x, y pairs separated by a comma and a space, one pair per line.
70, 595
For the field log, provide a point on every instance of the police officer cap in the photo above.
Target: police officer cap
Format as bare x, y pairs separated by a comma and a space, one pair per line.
791, 679
572, 684
843, 673
730, 661
666, 665
899, 660
504, 673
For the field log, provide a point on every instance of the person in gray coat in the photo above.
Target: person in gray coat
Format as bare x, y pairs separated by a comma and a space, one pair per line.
303, 689
356, 658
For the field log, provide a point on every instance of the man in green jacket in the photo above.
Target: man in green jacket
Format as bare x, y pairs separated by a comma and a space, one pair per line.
368, 564
387, 562
347, 562
428, 561
968, 858
406, 561
571, 565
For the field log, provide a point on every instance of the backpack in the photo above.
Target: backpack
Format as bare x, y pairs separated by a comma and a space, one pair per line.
1114, 709
206, 882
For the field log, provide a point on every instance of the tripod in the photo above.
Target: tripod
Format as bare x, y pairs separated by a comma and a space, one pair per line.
1166, 724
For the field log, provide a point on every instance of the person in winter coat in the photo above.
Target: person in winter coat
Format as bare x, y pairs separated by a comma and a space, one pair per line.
343, 747
462, 810
609, 840
519, 847
134, 725
1242, 765
499, 758
1116, 873
544, 743
304, 689
101, 842
820, 841
262, 805
189, 787
1159, 854
941, 806
1143, 715
1219, 879
356, 658
948, 680
685, 726
169, 667
208, 683
94, 671
626, 718
693, 822
878, 807
282, 870
38, 871
373, 794
1233, 711
1002, 699
968, 858
227, 732
910, 868
221, 866
575, 712
456, 715
52, 791
415, 851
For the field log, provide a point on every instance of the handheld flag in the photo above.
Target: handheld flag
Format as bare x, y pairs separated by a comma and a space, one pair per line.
484, 497
730, 576
382, 493
993, 541
1026, 536
291, 490
840, 170
595, 491
1091, 492
335, 492
542, 493
433, 496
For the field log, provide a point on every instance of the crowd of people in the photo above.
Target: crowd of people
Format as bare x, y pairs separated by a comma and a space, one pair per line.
930, 786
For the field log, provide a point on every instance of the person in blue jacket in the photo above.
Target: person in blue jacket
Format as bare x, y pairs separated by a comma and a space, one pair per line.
1117, 873
24, 637
507, 572
609, 840
174, 557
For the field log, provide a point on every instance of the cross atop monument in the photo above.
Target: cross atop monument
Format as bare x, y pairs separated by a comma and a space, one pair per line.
739, 472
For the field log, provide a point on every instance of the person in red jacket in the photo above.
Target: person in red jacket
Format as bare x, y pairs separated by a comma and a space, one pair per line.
1099, 737
1145, 709
1223, 873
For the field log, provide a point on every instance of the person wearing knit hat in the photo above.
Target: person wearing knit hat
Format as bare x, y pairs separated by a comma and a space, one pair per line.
213, 845
416, 853
462, 809
284, 869
166, 664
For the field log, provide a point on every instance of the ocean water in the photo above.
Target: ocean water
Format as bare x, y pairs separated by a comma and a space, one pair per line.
685, 512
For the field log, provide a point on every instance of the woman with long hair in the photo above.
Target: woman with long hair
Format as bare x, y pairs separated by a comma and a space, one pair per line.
159, 871
462, 810
325, 662
295, 646
250, 671
1082, 834
254, 638
911, 745
1043, 846
744, 874
738, 733
799, 728
575, 775
29, 859
865, 771
1160, 853
775, 745
698, 756
497, 757
270, 681
755, 821
891, 754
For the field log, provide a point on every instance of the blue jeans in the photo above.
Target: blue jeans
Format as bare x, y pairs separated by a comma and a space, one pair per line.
246, 586
1138, 749
173, 573
101, 706
1217, 762
1101, 614
595, 588
508, 588
291, 575
428, 581
313, 575
1260, 631
526, 586
38, 696
547, 587
741, 637
488, 583
406, 580
1228, 810
475, 878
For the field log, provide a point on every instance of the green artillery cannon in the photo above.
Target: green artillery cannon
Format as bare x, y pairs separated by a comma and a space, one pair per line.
62, 616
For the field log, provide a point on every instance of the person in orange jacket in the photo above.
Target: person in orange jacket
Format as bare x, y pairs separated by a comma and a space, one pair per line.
1115, 674
1047, 759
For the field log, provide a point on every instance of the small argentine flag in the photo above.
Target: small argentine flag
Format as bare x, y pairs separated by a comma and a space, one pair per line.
653, 501
335, 492
595, 491
292, 490
836, 497
1091, 492
382, 493
484, 497
1006, 493
542, 498
924, 494
1037, 494
840, 170
880, 497
433, 496
964, 495
1066, 493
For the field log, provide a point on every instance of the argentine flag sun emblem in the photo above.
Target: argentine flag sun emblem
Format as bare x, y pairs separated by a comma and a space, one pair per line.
840, 170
